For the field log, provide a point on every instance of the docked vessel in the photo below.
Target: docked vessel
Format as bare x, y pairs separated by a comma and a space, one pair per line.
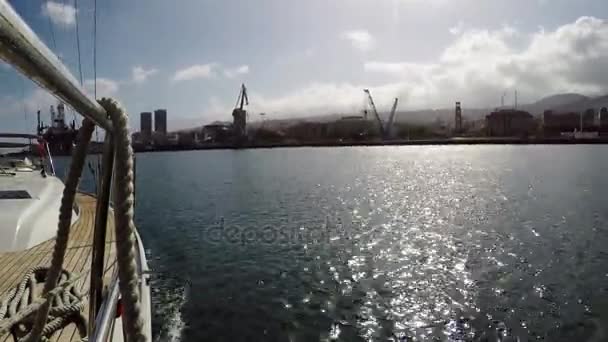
59, 135
72, 264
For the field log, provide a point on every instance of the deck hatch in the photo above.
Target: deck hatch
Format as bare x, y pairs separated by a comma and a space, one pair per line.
14, 194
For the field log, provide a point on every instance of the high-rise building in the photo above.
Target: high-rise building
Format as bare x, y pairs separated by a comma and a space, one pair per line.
458, 118
603, 117
146, 125
510, 123
160, 121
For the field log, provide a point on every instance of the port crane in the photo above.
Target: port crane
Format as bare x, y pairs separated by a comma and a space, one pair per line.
385, 131
391, 119
242, 98
239, 115
373, 107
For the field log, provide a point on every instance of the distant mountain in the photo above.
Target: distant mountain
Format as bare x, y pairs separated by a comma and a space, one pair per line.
579, 106
566, 102
559, 102
555, 101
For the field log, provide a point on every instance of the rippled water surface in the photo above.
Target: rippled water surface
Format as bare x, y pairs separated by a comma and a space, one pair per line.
471, 243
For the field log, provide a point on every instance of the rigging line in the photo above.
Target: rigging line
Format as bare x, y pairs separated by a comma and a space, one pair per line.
51, 27
23, 102
78, 41
74, 116
95, 50
95, 66
96, 175
55, 47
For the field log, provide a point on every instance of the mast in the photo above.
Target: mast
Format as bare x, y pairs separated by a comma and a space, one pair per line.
38, 126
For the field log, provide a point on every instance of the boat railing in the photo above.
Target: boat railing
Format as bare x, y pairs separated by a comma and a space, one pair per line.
44, 150
49, 158
107, 313
21, 47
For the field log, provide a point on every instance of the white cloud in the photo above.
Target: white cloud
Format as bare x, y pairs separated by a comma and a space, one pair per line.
61, 14
39, 99
360, 39
399, 69
458, 29
105, 87
315, 98
475, 68
479, 64
236, 71
195, 71
139, 74
509, 31
209, 70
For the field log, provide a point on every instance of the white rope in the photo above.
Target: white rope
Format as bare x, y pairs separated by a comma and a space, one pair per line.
65, 220
125, 233
124, 226
17, 306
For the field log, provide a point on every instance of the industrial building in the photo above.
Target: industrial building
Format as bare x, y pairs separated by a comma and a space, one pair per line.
308, 131
603, 120
353, 127
458, 119
554, 124
218, 132
510, 123
160, 121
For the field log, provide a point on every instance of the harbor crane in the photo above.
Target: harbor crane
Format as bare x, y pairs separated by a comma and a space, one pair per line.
373, 107
385, 130
242, 98
391, 119
239, 115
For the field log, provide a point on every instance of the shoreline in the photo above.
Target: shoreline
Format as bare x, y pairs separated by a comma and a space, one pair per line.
421, 142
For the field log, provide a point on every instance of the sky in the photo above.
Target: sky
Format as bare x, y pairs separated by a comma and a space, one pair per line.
301, 58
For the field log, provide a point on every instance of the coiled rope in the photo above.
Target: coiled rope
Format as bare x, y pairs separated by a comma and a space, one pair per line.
66, 305
125, 233
63, 229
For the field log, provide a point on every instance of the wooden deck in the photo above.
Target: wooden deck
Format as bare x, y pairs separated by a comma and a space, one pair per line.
77, 259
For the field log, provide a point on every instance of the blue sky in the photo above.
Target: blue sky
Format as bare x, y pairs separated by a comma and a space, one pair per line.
313, 57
